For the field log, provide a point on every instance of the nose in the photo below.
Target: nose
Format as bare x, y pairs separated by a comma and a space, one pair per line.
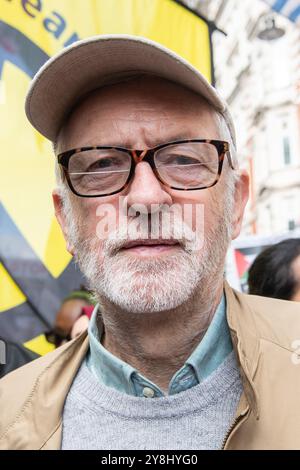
146, 193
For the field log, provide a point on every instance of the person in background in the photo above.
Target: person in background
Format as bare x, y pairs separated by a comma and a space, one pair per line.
82, 322
71, 320
276, 271
71, 309
74, 308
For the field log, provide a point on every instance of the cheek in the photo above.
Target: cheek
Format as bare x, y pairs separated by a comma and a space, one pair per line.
100, 218
196, 208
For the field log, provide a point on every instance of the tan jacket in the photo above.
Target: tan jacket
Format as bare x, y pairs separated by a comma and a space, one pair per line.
268, 415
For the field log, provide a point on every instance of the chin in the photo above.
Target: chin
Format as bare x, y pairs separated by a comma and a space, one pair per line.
146, 286
148, 298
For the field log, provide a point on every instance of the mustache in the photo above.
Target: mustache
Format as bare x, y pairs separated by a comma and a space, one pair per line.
177, 232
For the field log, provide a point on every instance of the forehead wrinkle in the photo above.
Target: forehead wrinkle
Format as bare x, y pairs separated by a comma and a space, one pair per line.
143, 137
142, 116
146, 137
163, 108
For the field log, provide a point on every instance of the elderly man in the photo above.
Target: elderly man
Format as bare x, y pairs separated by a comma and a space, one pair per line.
149, 196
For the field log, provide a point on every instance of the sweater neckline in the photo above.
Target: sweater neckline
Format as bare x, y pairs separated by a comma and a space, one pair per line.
90, 394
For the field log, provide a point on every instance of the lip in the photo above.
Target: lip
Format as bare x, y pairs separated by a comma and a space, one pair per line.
150, 242
150, 247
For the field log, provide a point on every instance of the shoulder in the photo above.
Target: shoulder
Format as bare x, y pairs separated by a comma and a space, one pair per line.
275, 320
30, 370
24, 385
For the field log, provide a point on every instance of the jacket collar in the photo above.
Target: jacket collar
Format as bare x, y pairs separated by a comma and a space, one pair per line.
246, 343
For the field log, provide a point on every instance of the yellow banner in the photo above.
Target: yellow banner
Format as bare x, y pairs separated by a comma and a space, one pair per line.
30, 32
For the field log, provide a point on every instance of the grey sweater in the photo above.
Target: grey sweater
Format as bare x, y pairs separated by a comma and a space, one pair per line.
99, 417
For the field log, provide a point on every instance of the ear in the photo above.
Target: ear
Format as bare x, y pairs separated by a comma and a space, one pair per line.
240, 200
60, 216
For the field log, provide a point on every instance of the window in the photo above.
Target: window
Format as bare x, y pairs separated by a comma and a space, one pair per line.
286, 151
291, 225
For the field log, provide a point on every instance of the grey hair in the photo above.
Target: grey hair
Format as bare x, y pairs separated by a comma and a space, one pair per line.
58, 172
225, 133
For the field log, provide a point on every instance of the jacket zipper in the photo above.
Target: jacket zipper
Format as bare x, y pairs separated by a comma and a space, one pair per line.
237, 420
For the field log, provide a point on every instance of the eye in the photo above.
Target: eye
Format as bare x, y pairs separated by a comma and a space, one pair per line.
107, 163
180, 160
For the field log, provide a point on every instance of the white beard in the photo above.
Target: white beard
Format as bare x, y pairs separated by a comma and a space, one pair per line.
142, 285
151, 285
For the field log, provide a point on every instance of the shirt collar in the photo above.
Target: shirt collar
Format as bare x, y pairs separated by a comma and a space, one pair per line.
214, 346
208, 355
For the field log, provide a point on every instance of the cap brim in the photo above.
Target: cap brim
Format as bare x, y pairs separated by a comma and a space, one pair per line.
100, 60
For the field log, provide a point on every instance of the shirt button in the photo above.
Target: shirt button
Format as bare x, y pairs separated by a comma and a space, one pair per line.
148, 392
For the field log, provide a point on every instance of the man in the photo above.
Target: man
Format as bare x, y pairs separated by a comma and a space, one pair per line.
275, 272
149, 196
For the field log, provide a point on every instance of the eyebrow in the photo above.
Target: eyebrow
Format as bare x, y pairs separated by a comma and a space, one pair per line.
172, 138
178, 137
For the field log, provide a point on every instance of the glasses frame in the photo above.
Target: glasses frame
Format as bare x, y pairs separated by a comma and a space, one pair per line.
146, 155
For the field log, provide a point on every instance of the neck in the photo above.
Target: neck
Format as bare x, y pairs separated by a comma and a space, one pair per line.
158, 344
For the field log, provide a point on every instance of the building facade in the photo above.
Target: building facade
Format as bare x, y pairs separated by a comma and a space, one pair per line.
260, 79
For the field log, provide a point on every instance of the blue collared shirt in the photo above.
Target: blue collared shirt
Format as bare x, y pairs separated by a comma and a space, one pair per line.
209, 354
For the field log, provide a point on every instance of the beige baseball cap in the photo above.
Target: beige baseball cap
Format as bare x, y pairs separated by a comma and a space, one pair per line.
100, 60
